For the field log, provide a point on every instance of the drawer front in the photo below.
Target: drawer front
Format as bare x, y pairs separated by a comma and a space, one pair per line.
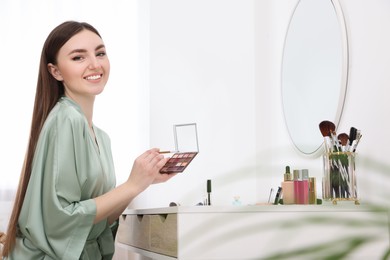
155, 232
163, 234
134, 230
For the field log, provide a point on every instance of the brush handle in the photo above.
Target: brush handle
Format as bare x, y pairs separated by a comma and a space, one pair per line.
328, 144
335, 141
356, 143
352, 135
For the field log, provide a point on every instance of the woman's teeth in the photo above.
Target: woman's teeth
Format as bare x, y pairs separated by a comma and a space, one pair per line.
94, 77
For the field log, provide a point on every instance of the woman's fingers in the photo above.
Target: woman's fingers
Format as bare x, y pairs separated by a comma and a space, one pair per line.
146, 169
150, 162
149, 154
162, 162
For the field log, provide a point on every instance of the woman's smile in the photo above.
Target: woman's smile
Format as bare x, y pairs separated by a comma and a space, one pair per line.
82, 66
94, 77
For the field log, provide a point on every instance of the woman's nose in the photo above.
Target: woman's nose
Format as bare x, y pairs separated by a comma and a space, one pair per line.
94, 63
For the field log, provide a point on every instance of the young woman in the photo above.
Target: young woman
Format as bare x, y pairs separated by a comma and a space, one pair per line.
67, 202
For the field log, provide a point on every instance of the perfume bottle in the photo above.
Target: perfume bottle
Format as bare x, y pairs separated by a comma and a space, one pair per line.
312, 191
288, 188
301, 186
304, 187
296, 180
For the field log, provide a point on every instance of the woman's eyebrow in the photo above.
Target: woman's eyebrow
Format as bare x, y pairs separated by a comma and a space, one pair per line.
101, 46
84, 50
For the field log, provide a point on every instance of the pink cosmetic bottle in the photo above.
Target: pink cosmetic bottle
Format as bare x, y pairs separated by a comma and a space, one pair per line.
301, 186
304, 187
296, 180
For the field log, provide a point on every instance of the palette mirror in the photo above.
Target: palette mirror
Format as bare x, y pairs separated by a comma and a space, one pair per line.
314, 71
186, 137
186, 148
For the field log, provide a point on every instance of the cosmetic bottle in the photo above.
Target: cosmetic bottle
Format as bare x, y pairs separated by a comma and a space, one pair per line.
312, 191
296, 180
288, 188
278, 195
209, 192
304, 187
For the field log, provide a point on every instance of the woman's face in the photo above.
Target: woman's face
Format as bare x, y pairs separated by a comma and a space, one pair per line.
82, 65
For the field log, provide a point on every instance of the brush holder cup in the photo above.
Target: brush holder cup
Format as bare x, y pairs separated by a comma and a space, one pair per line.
339, 181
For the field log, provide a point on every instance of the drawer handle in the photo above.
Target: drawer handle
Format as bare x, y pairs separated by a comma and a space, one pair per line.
163, 217
140, 217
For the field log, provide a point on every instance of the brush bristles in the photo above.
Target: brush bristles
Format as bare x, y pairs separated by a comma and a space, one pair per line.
343, 138
326, 128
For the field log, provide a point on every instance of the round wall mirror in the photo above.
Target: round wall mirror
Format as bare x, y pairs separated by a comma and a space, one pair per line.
314, 71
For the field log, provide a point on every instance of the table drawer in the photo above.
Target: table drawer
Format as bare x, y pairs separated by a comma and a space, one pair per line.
152, 232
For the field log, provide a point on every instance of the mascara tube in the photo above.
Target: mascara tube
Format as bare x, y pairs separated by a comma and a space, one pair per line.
209, 192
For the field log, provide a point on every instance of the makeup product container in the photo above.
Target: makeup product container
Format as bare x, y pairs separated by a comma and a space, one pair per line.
339, 180
288, 188
209, 192
296, 180
312, 191
278, 195
303, 186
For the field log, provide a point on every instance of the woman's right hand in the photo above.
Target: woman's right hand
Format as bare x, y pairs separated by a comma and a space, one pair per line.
146, 170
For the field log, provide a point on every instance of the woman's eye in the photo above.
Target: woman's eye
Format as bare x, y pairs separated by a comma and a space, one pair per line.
77, 58
101, 54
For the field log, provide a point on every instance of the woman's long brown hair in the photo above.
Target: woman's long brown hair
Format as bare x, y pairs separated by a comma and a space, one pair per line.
48, 91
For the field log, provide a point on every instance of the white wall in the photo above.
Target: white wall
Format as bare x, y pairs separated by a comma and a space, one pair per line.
218, 63
202, 70
367, 102
24, 26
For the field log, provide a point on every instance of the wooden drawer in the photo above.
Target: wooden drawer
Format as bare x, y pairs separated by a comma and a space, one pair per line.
152, 232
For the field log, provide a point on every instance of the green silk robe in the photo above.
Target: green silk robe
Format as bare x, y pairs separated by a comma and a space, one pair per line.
70, 168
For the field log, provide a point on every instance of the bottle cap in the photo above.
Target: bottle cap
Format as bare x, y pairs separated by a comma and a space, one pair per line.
296, 175
312, 183
305, 174
287, 175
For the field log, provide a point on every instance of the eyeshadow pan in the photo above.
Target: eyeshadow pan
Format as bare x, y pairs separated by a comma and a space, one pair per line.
178, 162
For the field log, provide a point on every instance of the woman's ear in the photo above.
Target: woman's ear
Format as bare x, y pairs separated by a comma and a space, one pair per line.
55, 72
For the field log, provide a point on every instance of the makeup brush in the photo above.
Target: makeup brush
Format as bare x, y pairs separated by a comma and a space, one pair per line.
335, 142
164, 152
344, 141
359, 136
326, 128
352, 135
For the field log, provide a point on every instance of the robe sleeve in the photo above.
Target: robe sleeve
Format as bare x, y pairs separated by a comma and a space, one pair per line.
63, 215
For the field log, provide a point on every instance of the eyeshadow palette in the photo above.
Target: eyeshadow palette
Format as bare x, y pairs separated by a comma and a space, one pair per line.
178, 162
